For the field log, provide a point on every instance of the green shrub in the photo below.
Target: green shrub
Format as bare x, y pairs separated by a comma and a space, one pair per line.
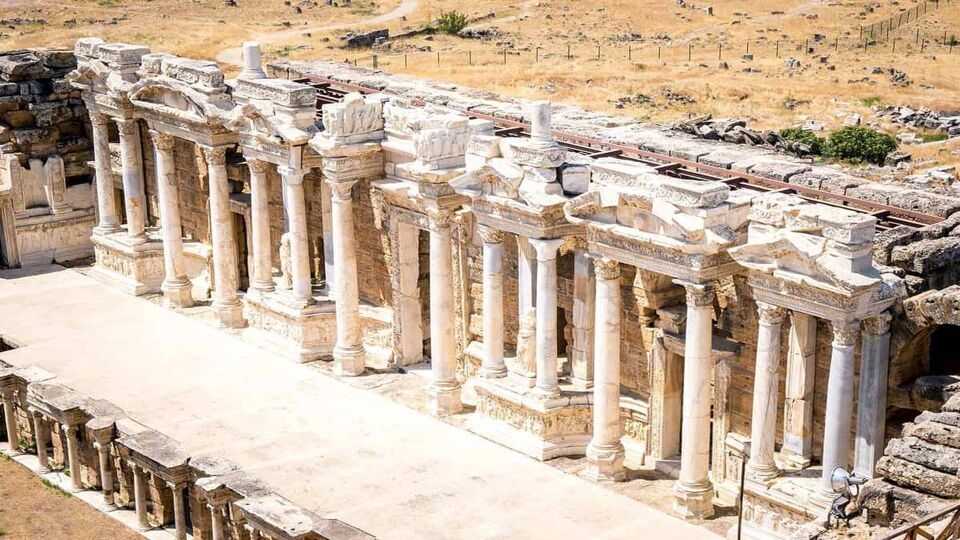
856, 143
451, 22
871, 101
804, 136
934, 137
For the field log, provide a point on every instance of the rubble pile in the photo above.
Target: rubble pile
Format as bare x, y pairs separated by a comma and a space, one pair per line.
922, 118
736, 131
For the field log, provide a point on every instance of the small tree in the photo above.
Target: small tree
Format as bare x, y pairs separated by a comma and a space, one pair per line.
856, 143
451, 22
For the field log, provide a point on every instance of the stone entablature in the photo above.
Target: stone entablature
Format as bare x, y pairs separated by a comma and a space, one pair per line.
138, 468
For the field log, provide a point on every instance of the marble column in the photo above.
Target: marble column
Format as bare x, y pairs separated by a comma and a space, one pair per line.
216, 521
106, 203
348, 354
605, 452
872, 401
547, 382
766, 382
492, 365
584, 302
140, 496
42, 438
73, 455
798, 402
131, 162
445, 388
179, 511
693, 490
226, 302
10, 420
252, 532
106, 470
839, 411
299, 242
260, 218
176, 287
526, 277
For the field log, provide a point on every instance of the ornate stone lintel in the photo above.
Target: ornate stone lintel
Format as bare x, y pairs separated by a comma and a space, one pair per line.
845, 333
878, 325
771, 314
606, 269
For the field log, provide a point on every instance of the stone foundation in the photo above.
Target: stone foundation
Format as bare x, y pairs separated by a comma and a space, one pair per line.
305, 334
509, 413
55, 238
136, 269
780, 510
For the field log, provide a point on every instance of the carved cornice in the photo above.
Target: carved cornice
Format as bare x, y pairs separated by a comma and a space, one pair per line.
879, 325
163, 141
489, 235
845, 333
606, 269
770, 314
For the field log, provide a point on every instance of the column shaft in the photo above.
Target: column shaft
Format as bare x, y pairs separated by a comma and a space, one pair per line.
13, 436
140, 496
176, 287
106, 472
106, 203
226, 303
42, 439
260, 214
216, 522
73, 455
798, 402
765, 393
605, 452
179, 514
492, 364
299, 242
547, 381
526, 277
584, 307
131, 158
839, 412
694, 490
348, 353
445, 389
872, 401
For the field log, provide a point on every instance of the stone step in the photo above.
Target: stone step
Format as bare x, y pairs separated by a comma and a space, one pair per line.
933, 431
913, 476
928, 455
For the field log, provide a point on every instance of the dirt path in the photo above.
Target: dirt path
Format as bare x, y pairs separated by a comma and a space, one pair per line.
234, 55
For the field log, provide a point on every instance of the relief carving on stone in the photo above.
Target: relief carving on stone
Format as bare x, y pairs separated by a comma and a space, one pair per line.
355, 119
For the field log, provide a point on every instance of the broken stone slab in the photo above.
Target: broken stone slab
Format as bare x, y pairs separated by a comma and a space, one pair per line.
889, 505
283, 520
911, 475
22, 66
156, 447
929, 429
927, 255
932, 456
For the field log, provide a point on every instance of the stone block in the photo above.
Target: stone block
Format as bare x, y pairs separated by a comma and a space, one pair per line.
21, 66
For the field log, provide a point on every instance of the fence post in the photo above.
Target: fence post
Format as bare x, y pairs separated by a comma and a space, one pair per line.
598, 53
836, 44
374, 61
504, 57
689, 52
748, 46
470, 57
568, 52
404, 61
778, 48
918, 36
537, 55
894, 44
629, 53
720, 51
658, 52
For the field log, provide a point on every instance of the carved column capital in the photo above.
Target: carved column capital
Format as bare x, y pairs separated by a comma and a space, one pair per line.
770, 314
489, 235
440, 220
546, 248
259, 166
215, 155
341, 191
163, 141
99, 120
127, 127
606, 269
878, 325
291, 176
845, 333
698, 294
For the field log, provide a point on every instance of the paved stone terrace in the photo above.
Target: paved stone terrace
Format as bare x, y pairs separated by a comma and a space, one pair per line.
334, 449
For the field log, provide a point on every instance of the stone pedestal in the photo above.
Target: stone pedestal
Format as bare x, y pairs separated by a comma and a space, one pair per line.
304, 333
516, 416
134, 266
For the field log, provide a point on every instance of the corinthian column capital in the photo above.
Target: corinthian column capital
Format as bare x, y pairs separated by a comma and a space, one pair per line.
341, 191
127, 127
215, 155
845, 333
698, 294
162, 141
259, 166
878, 325
489, 235
770, 314
606, 269
99, 120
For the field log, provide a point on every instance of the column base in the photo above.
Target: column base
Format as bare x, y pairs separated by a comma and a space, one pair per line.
445, 399
605, 463
762, 474
349, 362
494, 373
693, 501
301, 333
177, 294
230, 315
511, 414
135, 268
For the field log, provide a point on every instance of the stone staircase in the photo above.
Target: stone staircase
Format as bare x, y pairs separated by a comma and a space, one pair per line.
919, 472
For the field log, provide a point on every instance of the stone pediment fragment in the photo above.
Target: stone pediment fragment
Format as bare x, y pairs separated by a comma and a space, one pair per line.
354, 120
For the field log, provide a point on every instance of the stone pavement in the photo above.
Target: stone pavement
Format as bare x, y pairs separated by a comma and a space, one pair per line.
332, 448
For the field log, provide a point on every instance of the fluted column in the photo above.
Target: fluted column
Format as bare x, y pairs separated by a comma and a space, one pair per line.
131, 162
492, 364
445, 388
106, 470
106, 203
547, 382
693, 490
13, 436
179, 511
226, 303
872, 401
41, 434
297, 225
761, 465
140, 496
216, 521
73, 455
260, 217
605, 452
839, 412
176, 287
348, 353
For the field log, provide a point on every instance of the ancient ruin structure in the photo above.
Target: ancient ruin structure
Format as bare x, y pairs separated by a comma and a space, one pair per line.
601, 288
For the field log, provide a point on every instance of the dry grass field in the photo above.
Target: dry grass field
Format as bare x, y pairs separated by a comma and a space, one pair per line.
658, 60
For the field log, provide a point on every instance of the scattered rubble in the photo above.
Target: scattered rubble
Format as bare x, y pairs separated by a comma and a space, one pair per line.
352, 40
922, 118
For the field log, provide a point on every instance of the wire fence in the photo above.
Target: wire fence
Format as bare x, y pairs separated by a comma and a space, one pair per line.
881, 30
